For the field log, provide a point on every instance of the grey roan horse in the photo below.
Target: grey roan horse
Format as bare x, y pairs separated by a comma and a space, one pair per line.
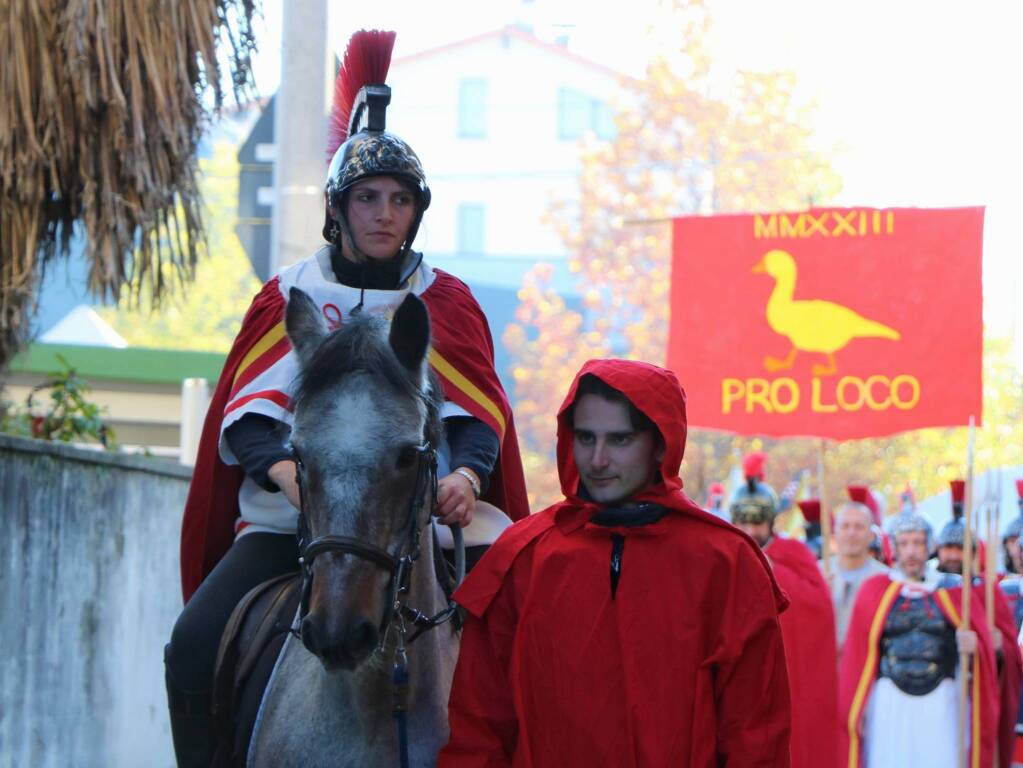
366, 416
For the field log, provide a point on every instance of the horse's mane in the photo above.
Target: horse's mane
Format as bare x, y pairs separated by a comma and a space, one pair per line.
361, 346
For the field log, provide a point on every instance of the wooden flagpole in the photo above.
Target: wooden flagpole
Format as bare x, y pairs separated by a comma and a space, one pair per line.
825, 515
990, 555
964, 658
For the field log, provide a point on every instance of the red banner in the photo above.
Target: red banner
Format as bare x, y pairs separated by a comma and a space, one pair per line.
833, 322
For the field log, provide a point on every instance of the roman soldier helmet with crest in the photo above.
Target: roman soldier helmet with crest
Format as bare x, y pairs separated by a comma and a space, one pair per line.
954, 532
359, 146
1015, 528
754, 501
811, 509
1013, 531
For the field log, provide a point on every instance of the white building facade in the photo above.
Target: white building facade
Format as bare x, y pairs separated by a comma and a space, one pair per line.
497, 120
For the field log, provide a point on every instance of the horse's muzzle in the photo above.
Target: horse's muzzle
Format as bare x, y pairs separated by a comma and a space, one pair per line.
346, 647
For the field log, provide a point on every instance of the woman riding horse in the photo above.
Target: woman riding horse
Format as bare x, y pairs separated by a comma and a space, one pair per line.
240, 519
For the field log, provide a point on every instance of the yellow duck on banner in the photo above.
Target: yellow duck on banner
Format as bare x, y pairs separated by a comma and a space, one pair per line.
811, 325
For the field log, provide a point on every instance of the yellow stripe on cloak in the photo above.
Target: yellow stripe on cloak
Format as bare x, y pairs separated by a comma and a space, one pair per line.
268, 339
452, 374
869, 667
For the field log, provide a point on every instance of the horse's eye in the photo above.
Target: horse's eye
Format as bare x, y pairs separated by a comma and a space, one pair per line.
406, 457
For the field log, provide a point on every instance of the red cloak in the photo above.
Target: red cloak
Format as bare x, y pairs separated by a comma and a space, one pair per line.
684, 666
1010, 677
808, 629
462, 355
860, 658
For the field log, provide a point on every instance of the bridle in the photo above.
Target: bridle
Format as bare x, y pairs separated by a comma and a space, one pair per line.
397, 613
399, 565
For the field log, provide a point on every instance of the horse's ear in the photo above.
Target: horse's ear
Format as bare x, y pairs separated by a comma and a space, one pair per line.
410, 332
304, 323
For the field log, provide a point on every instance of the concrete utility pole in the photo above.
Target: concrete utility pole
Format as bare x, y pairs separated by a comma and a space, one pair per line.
300, 132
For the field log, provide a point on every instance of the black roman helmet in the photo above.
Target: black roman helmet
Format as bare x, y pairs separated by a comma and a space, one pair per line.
359, 146
754, 501
954, 532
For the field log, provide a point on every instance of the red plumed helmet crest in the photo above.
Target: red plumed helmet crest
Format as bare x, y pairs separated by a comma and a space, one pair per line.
366, 61
861, 495
753, 465
811, 509
958, 491
1019, 488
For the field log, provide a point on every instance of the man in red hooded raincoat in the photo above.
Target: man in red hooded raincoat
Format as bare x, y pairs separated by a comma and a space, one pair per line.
624, 625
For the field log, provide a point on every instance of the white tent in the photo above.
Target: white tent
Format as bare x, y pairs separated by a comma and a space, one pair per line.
83, 326
987, 486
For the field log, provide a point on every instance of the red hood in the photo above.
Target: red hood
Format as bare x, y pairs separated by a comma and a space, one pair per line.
657, 393
654, 391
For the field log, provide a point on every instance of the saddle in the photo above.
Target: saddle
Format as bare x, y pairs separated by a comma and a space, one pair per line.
249, 648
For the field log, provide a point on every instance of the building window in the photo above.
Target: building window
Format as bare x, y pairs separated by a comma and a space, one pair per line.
603, 121
470, 229
472, 109
578, 113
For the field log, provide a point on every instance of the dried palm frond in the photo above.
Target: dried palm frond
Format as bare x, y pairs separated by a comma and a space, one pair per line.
103, 110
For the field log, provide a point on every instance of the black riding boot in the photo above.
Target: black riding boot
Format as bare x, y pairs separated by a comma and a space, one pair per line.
192, 727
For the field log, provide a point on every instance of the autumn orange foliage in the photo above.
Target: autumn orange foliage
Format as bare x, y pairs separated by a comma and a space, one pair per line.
684, 145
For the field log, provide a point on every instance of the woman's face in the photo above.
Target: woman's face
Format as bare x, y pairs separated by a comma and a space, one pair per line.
380, 212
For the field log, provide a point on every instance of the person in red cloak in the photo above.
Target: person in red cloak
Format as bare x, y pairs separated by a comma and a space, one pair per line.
241, 514
951, 542
808, 626
1011, 587
624, 625
899, 676
716, 501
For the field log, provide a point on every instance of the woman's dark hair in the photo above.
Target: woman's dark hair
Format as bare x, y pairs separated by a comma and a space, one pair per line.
591, 385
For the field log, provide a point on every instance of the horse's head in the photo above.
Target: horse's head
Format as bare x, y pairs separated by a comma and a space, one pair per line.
366, 406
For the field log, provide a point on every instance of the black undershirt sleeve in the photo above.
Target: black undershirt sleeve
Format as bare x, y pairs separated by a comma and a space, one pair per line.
473, 445
257, 441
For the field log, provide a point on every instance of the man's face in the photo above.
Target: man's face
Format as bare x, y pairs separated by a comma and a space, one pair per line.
1013, 548
950, 559
615, 462
852, 532
759, 532
911, 553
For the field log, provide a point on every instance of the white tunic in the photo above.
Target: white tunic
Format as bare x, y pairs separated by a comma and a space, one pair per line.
269, 392
904, 730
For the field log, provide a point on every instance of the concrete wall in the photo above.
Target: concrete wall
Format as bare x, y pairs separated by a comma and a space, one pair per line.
89, 590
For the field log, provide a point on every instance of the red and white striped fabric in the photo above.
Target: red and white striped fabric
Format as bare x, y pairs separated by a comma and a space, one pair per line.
265, 379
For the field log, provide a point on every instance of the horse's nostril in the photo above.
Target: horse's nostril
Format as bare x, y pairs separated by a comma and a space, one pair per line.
311, 635
361, 639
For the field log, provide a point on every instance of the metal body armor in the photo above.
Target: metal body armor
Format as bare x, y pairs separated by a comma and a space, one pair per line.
918, 645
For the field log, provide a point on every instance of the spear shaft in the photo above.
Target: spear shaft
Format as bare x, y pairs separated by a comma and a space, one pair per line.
964, 658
